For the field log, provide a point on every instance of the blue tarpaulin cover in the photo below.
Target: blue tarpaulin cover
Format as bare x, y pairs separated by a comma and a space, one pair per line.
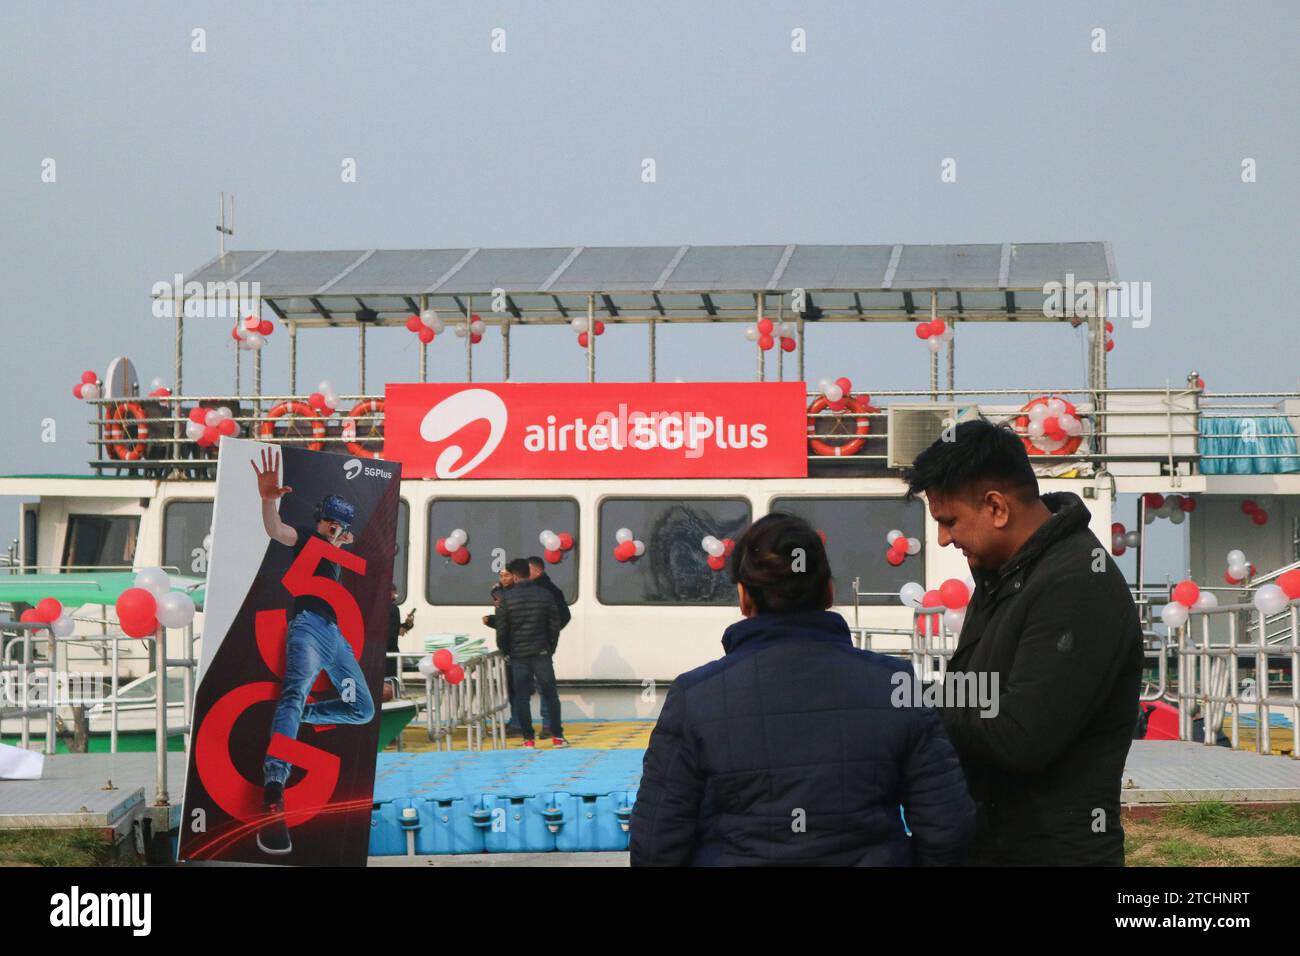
1269, 436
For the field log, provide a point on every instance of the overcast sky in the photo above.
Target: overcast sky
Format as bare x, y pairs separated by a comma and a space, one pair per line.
542, 144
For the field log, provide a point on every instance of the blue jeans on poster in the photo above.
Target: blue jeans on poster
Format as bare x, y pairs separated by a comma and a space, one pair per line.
524, 671
314, 644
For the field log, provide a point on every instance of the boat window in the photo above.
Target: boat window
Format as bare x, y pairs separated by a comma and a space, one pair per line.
100, 541
499, 530
674, 567
403, 547
185, 525
855, 530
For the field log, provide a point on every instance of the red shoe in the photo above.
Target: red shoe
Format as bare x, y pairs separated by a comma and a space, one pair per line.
530, 743
559, 743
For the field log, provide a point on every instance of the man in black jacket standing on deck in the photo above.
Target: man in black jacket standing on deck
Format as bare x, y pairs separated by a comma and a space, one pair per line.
1053, 631
527, 624
537, 574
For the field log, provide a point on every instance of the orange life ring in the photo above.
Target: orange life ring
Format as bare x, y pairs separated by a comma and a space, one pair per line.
1066, 447
121, 450
369, 406
301, 409
853, 445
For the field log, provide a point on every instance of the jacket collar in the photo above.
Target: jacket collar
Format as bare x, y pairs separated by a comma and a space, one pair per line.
808, 625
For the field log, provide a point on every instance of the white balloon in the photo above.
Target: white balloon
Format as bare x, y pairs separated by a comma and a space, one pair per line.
1149, 517
707, 541
207, 542
193, 431
255, 341
1036, 429
913, 545
552, 542
638, 548
1118, 542
833, 392
1236, 557
1178, 517
175, 609
622, 535
153, 580
1269, 599
63, 626
970, 585
578, 325
459, 536
543, 536
1133, 539
953, 620
477, 326
1037, 413
716, 548
788, 330
751, 332
90, 390
1174, 615
223, 413
1055, 406
1205, 601
156, 384
212, 419
324, 387
460, 330
910, 594
934, 343
893, 536
1238, 571
426, 666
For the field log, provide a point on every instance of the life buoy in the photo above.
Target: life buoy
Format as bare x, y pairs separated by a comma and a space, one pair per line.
369, 406
853, 445
122, 450
1067, 446
301, 410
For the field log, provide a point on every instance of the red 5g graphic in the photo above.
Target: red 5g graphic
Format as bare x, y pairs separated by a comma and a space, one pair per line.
231, 791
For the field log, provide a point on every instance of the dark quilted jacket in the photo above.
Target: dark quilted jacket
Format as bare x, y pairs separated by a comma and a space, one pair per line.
789, 751
527, 621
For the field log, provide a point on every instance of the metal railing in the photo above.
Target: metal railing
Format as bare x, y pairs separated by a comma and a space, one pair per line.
475, 705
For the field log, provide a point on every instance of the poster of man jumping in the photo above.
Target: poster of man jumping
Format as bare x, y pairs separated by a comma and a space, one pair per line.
282, 760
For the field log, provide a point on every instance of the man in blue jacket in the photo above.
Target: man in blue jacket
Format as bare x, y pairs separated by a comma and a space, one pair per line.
791, 749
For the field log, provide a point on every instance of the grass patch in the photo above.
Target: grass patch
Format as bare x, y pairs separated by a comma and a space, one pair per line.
1216, 819
1215, 834
82, 847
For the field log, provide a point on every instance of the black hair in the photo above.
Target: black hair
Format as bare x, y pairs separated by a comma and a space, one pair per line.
537, 562
782, 563
976, 452
518, 567
495, 590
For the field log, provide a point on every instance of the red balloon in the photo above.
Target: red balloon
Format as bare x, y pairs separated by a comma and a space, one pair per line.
413, 323
765, 342
426, 334
442, 659
1116, 528
566, 541
76, 390
252, 323
600, 327
938, 327
932, 599
1118, 550
1110, 344
30, 616
1260, 517
923, 331
765, 326
1153, 499
1200, 383
729, 545
47, 609
234, 333
625, 551
953, 593
441, 547
228, 426
1186, 593
1249, 507
197, 415
895, 557
717, 562
454, 674
552, 557
461, 555
1052, 428
1253, 570
1188, 504
137, 612
845, 385
1290, 584
475, 338
582, 339
209, 436
900, 544
317, 401
788, 344
1230, 579
266, 327
89, 378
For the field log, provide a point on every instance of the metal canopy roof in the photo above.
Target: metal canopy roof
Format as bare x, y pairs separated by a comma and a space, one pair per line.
988, 282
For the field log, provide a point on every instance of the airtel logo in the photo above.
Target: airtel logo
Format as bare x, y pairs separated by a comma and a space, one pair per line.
454, 413
351, 468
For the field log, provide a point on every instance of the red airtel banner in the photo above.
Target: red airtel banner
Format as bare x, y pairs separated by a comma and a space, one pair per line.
597, 430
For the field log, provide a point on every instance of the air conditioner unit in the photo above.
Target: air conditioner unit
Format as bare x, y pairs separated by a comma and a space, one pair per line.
914, 428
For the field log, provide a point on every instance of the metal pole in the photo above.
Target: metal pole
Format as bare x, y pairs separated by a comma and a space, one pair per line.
758, 317
934, 356
187, 676
293, 358
112, 688
424, 349
652, 348
160, 712
469, 339
591, 338
780, 352
802, 376
952, 363
361, 357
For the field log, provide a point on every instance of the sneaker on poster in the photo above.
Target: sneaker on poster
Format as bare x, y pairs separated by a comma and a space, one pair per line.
273, 837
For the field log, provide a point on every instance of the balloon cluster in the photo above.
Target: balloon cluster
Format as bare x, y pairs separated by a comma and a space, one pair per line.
579, 325
1110, 343
158, 390
1257, 514
1238, 568
1272, 598
252, 332
1121, 540
1055, 420
50, 612
838, 393
152, 603
453, 546
1174, 507
718, 549
207, 426
554, 545
900, 547
88, 387
426, 325
953, 595
475, 328
763, 331
934, 333
442, 662
628, 547
1187, 597
324, 400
